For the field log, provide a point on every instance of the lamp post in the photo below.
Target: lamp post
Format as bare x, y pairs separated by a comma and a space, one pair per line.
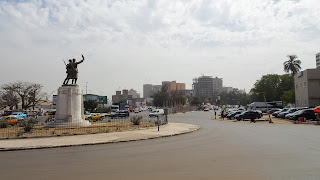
264, 96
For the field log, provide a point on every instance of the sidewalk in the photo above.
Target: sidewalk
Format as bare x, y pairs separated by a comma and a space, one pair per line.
170, 129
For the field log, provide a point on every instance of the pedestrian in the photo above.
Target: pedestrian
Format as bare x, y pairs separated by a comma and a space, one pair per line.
215, 114
252, 118
222, 114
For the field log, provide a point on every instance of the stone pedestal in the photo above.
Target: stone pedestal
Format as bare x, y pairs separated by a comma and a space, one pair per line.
69, 109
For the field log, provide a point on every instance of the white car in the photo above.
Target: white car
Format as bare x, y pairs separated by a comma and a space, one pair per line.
156, 113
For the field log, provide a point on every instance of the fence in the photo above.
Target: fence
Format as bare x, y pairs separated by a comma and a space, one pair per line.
37, 127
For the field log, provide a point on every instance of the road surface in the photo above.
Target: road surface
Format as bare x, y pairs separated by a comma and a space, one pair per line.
220, 150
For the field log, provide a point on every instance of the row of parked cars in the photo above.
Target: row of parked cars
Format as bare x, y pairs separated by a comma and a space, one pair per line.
241, 114
294, 113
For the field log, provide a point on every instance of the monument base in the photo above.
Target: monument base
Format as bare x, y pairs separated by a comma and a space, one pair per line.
69, 109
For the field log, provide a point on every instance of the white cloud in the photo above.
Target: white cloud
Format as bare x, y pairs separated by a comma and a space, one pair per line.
130, 42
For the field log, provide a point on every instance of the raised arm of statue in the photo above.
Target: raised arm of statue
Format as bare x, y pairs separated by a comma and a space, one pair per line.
81, 60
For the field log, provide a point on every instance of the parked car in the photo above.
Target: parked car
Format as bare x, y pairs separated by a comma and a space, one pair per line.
306, 113
290, 115
247, 115
283, 114
232, 114
156, 112
18, 115
11, 120
273, 110
280, 111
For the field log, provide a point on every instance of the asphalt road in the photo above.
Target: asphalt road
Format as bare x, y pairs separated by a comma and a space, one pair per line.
220, 150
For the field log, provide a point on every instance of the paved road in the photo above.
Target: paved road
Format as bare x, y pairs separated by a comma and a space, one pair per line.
220, 150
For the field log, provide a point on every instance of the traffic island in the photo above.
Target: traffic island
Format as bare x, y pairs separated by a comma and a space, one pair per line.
170, 129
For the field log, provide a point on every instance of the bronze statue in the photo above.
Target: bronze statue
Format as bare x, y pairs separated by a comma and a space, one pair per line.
72, 71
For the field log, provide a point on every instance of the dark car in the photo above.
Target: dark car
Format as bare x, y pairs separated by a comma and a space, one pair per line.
306, 113
121, 113
247, 115
231, 115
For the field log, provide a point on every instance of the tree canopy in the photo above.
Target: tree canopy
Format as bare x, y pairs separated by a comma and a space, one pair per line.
292, 65
273, 85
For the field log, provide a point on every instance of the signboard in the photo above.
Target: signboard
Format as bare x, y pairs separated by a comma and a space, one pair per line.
54, 100
103, 99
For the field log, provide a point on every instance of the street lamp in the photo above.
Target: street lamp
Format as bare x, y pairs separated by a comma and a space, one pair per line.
264, 96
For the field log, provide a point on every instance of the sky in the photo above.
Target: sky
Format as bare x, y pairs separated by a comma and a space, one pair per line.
128, 43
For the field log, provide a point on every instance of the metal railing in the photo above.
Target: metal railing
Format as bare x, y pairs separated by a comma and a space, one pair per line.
30, 127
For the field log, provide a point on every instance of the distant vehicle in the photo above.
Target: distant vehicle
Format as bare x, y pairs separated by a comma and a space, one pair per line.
95, 117
121, 113
306, 113
11, 120
18, 115
86, 116
127, 107
262, 106
290, 115
279, 111
283, 114
247, 115
156, 112
232, 114
114, 108
206, 109
136, 110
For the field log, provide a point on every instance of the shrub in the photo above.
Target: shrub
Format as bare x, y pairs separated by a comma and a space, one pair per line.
27, 124
136, 120
3, 124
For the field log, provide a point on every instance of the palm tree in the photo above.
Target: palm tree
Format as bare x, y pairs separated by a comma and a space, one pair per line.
292, 65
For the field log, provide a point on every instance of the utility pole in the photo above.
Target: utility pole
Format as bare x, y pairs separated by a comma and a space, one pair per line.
264, 96
86, 87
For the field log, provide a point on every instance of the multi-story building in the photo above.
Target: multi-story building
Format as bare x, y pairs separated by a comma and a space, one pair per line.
217, 85
147, 90
134, 93
307, 88
318, 60
174, 86
206, 86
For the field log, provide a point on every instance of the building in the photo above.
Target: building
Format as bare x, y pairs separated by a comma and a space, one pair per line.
119, 97
134, 94
206, 86
227, 89
174, 86
318, 60
307, 88
90, 97
156, 88
147, 90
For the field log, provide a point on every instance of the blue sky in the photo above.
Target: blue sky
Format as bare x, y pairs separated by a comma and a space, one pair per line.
128, 43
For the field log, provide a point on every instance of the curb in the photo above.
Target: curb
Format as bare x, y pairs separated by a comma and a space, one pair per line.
107, 142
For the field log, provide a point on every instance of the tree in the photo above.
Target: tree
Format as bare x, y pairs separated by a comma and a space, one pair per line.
29, 93
273, 85
9, 99
288, 96
90, 105
292, 65
34, 95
